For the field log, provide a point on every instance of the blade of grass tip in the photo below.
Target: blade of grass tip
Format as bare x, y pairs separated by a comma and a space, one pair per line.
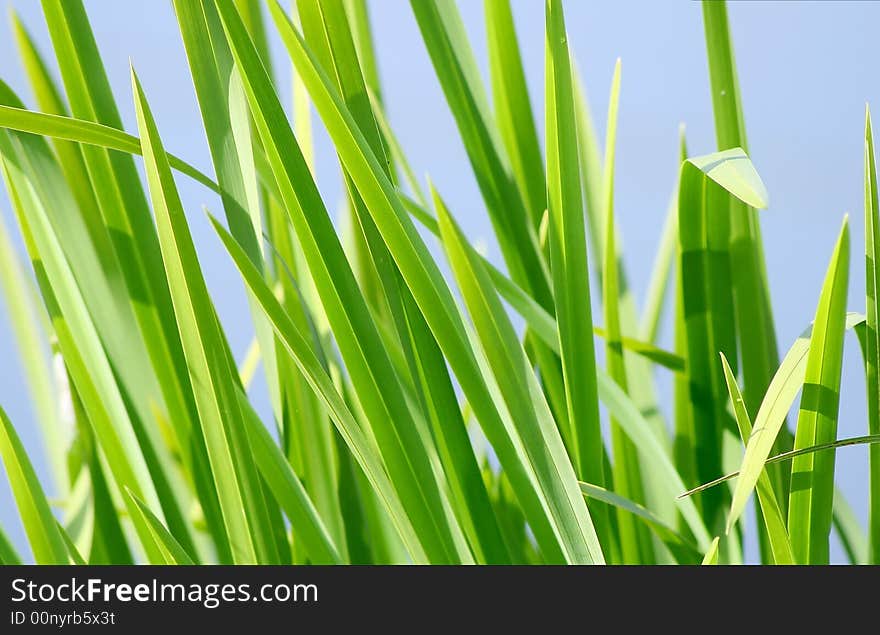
366, 358
523, 396
770, 511
431, 292
47, 544
635, 544
513, 110
170, 550
32, 343
706, 185
759, 355
568, 256
711, 557
241, 502
812, 475
302, 352
8, 554
681, 547
872, 350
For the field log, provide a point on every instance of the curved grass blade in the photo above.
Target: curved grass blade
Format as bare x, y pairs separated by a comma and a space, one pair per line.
90, 133
681, 547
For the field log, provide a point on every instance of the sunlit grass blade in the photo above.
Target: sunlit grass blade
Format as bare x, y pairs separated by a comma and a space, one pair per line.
872, 349
706, 186
43, 534
171, 552
456, 68
241, 502
634, 543
812, 475
711, 556
770, 511
513, 110
525, 401
8, 554
568, 258
759, 355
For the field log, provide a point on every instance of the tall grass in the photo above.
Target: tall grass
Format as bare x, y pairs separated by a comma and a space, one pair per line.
412, 419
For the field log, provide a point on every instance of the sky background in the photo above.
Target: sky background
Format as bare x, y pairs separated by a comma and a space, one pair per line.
806, 71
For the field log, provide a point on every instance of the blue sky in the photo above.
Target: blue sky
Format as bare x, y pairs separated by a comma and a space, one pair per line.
806, 71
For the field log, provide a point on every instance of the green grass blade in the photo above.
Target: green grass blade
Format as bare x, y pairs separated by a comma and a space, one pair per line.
872, 350
214, 381
711, 557
706, 186
8, 555
454, 64
771, 513
45, 539
812, 489
513, 110
568, 257
634, 543
523, 397
759, 354
170, 550
88, 132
